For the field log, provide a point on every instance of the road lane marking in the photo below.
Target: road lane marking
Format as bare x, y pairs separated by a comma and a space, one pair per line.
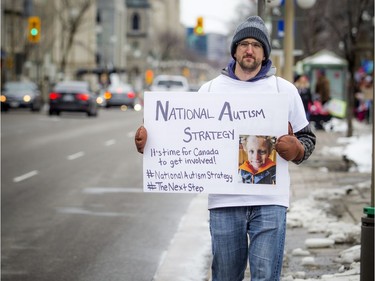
81, 211
26, 176
110, 142
75, 155
103, 190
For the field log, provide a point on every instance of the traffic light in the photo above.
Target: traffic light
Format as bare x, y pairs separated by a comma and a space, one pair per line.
33, 33
149, 76
198, 29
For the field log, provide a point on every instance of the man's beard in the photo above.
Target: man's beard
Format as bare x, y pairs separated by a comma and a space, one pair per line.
249, 66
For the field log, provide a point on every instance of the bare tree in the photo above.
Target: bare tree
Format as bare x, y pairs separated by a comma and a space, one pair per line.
171, 46
71, 14
348, 31
353, 21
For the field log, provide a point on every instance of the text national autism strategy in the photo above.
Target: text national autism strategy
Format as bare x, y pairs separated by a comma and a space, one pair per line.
167, 113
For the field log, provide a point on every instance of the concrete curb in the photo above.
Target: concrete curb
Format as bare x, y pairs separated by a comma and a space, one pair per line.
188, 254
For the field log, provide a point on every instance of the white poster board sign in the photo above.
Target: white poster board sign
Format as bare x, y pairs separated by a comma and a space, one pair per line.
196, 142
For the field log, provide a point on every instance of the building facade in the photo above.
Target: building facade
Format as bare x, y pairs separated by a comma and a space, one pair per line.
66, 42
111, 26
152, 27
79, 36
138, 19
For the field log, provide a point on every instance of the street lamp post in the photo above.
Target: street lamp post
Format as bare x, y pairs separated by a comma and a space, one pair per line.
289, 34
261, 8
288, 40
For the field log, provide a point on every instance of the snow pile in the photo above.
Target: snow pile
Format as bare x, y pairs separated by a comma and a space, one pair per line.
319, 212
308, 261
352, 274
350, 255
357, 148
342, 232
319, 242
300, 252
312, 213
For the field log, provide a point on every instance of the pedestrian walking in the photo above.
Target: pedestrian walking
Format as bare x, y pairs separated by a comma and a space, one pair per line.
322, 87
319, 113
303, 85
252, 227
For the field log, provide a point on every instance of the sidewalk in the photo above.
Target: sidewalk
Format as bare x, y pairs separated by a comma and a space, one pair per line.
323, 185
326, 205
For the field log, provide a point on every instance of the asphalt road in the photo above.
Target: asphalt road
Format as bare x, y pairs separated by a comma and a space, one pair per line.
72, 200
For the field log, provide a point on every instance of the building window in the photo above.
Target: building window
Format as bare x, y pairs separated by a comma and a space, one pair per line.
136, 22
98, 17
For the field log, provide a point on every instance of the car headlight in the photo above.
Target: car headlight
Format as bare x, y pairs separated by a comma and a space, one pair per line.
3, 98
137, 107
99, 100
26, 98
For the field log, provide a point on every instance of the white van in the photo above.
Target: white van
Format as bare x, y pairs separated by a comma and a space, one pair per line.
176, 83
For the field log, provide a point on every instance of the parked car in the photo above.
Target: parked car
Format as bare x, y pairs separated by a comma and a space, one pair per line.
175, 83
73, 96
17, 94
119, 94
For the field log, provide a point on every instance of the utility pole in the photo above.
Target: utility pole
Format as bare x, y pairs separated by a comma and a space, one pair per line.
261, 8
289, 40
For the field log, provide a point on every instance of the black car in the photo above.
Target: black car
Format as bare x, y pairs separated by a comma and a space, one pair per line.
121, 94
73, 96
21, 94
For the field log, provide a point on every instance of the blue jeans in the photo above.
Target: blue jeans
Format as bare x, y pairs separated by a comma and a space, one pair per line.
230, 228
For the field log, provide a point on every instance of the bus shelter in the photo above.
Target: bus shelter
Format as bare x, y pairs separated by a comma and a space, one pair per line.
335, 69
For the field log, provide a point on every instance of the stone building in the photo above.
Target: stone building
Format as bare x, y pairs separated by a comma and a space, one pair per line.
129, 36
153, 26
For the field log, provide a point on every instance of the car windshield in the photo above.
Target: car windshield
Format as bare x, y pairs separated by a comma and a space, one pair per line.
120, 88
79, 87
15, 86
170, 83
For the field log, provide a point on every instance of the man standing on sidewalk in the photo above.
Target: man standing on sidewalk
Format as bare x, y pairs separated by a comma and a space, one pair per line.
236, 219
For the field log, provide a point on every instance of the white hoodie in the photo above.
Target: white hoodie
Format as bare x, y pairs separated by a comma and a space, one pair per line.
296, 116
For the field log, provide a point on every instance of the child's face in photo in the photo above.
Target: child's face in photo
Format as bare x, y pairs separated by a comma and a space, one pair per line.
257, 151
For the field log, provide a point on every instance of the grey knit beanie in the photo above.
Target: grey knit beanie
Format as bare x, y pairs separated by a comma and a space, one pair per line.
253, 27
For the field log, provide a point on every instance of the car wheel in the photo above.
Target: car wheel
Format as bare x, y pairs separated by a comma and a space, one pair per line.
92, 113
52, 112
35, 108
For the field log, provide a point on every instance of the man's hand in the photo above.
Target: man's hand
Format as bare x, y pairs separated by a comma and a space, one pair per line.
289, 147
140, 139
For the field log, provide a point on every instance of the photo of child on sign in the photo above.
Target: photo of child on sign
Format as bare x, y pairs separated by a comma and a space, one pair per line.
257, 159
